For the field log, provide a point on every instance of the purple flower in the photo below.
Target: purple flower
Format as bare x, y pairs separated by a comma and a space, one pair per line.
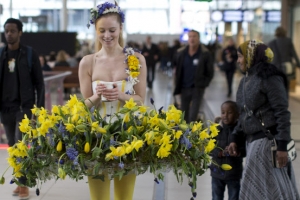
185, 141
62, 129
159, 110
151, 101
72, 153
121, 165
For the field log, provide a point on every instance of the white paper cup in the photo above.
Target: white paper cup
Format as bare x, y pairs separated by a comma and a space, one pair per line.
108, 85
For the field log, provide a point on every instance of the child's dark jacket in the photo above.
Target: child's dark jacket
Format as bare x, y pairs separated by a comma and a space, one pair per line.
223, 139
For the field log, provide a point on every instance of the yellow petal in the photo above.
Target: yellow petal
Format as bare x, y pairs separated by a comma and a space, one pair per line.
226, 167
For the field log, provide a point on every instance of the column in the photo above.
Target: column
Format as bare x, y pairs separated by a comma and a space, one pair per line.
64, 16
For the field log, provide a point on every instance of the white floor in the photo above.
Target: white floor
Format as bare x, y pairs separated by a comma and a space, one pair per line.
146, 188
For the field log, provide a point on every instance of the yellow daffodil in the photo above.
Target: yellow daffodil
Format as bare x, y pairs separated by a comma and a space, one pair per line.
24, 125
143, 109
165, 138
61, 173
59, 146
55, 109
130, 104
204, 135
134, 74
177, 134
210, 146
154, 121
214, 130
226, 167
149, 136
70, 127
87, 147
43, 111
34, 110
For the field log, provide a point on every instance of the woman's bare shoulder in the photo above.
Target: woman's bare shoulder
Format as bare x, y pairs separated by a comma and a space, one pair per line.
86, 60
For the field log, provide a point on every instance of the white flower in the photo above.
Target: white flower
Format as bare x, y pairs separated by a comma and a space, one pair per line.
111, 10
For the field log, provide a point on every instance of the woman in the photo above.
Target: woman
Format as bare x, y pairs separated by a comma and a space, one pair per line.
107, 66
61, 59
44, 65
263, 101
229, 57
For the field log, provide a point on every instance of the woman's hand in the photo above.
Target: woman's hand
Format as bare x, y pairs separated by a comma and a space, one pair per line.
282, 158
109, 94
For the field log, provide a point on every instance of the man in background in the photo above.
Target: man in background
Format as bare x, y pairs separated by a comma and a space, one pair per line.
21, 87
193, 73
151, 53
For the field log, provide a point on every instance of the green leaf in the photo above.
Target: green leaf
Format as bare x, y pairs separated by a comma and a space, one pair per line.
96, 153
101, 177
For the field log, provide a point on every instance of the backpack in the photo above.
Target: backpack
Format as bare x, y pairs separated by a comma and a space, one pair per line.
29, 56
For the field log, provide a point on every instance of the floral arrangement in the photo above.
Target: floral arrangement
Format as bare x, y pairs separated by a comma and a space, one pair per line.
75, 141
103, 9
133, 63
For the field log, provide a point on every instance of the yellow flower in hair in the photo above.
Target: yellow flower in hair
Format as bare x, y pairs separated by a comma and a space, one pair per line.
269, 54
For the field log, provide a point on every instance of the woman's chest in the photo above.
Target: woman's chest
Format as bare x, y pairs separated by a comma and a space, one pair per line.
110, 70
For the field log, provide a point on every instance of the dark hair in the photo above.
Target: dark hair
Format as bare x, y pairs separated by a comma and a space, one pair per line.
233, 105
14, 21
280, 32
192, 30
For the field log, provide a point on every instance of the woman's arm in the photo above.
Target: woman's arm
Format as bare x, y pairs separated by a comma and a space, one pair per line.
85, 81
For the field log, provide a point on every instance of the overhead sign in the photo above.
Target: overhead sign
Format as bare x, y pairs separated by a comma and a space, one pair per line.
244, 15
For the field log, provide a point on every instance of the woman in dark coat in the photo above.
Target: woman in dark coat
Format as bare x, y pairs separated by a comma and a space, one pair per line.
263, 101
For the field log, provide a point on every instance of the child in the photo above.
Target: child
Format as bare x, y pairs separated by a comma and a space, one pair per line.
231, 178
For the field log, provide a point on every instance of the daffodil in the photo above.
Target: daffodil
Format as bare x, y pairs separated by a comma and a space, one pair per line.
154, 121
34, 110
214, 130
204, 134
55, 109
24, 125
129, 104
210, 146
226, 167
70, 127
143, 109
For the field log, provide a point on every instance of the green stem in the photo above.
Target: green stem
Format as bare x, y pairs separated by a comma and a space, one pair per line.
5, 171
60, 159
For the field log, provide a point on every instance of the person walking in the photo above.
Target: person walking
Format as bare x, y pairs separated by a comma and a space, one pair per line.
229, 57
151, 54
193, 72
106, 68
22, 87
284, 51
262, 99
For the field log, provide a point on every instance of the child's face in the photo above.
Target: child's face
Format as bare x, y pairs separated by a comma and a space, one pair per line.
228, 114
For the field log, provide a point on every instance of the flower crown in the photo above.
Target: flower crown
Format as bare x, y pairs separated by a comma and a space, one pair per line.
103, 9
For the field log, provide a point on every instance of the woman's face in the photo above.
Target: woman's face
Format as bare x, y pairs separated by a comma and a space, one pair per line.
41, 60
241, 61
108, 29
